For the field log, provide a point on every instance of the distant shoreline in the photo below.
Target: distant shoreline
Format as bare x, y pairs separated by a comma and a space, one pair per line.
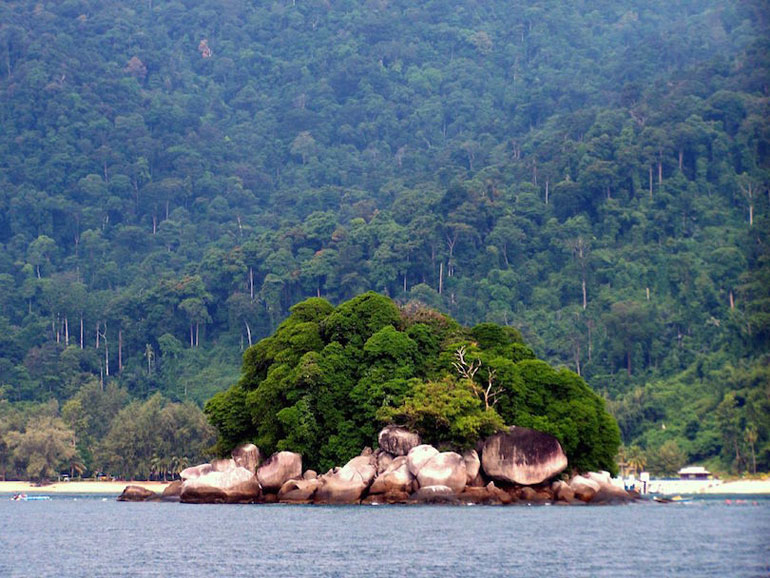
81, 487
738, 487
709, 487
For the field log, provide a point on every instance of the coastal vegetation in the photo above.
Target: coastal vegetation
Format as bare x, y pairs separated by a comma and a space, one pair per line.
175, 176
329, 379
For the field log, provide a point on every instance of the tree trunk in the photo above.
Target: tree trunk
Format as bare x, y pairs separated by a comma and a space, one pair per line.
546, 191
441, 278
192, 343
120, 350
248, 331
66, 332
81, 331
577, 357
251, 283
197, 334
585, 294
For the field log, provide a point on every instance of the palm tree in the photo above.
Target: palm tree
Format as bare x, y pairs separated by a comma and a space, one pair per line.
178, 464
636, 458
76, 465
622, 460
157, 465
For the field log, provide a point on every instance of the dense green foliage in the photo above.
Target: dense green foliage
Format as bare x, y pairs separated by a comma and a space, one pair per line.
99, 430
329, 378
174, 175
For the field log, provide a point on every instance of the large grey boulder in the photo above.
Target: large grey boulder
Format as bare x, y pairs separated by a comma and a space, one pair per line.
445, 469
396, 478
137, 494
584, 488
347, 484
298, 491
195, 471
277, 469
384, 459
234, 486
597, 488
435, 495
172, 492
472, 464
418, 456
397, 440
563, 492
522, 456
247, 456
222, 465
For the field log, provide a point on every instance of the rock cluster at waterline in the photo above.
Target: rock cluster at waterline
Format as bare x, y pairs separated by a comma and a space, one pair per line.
516, 466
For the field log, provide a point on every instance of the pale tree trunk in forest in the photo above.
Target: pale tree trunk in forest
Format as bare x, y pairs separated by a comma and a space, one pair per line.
106, 353
441, 278
192, 343
732, 300
251, 283
197, 327
546, 191
120, 350
748, 191
81, 331
66, 332
248, 331
577, 356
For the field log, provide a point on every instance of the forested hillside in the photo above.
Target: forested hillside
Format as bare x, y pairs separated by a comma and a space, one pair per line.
174, 175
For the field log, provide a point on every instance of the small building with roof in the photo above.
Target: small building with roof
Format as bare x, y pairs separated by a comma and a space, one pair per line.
694, 473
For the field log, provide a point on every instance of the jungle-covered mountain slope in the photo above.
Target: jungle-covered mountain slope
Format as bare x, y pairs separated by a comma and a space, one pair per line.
174, 175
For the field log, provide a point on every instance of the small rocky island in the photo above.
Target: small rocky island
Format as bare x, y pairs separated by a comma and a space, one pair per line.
329, 378
517, 466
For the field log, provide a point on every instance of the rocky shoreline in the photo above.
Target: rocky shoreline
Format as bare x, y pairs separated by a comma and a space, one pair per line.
518, 466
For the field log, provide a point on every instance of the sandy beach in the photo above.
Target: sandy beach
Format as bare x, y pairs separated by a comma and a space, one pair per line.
85, 487
713, 486
740, 487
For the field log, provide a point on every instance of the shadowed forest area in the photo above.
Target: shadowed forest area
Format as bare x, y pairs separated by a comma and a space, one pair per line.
175, 175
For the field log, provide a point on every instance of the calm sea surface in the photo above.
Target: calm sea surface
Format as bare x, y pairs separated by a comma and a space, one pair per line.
97, 536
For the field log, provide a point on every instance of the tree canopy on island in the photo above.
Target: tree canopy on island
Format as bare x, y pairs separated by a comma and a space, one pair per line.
328, 379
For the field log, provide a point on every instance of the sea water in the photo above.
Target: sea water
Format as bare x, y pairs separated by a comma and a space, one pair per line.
97, 536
